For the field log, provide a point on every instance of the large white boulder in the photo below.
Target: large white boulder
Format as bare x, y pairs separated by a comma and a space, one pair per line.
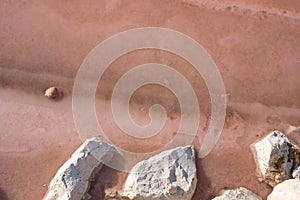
72, 180
168, 175
238, 194
287, 190
276, 157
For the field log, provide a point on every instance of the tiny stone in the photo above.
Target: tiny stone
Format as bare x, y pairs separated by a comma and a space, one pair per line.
110, 193
51, 92
238, 194
87, 196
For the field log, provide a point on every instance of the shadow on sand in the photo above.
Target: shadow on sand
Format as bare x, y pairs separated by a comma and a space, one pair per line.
204, 188
3, 195
106, 178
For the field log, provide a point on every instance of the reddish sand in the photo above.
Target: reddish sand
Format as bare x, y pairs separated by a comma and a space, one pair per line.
255, 44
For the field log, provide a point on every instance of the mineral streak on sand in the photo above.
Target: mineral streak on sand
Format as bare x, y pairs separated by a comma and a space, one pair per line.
255, 44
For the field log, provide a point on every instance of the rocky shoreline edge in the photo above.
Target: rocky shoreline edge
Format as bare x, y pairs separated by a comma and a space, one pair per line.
172, 174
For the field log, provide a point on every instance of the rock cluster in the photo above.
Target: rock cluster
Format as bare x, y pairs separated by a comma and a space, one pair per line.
278, 161
168, 175
172, 174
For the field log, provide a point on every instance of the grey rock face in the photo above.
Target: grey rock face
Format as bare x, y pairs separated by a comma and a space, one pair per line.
238, 194
296, 172
168, 175
287, 190
73, 178
276, 157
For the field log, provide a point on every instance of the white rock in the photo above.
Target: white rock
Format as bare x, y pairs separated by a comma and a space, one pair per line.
168, 175
287, 190
296, 172
73, 178
276, 156
238, 194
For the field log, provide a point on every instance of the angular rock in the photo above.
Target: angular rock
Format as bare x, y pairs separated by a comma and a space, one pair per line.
238, 194
72, 180
276, 157
168, 175
287, 190
296, 172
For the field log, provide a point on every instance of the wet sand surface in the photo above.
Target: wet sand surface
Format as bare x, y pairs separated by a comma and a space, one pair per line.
255, 45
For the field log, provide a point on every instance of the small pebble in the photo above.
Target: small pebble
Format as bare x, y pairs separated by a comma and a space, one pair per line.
51, 92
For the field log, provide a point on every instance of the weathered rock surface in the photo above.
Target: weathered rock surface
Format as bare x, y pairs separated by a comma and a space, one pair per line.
296, 172
168, 175
73, 178
287, 190
276, 157
238, 194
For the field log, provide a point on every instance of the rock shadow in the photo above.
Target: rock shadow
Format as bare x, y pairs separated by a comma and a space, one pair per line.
107, 179
204, 188
3, 195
